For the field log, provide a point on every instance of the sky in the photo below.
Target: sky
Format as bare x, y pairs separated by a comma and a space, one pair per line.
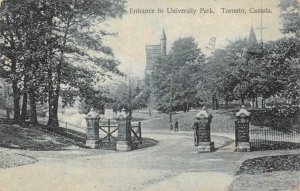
137, 30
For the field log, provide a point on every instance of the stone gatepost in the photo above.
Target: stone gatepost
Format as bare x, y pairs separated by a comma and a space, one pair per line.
242, 130
202, 130
92, 131
124, 142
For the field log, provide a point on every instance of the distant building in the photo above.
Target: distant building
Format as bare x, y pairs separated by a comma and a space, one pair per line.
152, 53
252, 38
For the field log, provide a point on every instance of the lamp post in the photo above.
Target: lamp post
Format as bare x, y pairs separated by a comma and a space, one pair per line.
171, 95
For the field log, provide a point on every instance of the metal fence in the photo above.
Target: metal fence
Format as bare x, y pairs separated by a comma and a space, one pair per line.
270, 139
108, 131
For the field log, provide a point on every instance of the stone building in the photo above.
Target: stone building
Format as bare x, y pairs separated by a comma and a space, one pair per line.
152, 53
257, 102
252, 38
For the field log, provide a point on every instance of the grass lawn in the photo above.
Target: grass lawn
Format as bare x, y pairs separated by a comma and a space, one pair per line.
280, 172
270, 164
271, 181
223, 121
15, 136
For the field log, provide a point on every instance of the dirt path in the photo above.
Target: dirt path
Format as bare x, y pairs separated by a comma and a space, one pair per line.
173, 164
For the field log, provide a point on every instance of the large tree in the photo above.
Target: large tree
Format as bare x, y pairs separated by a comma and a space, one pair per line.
176, 76
128, 94
63, 35
12, 21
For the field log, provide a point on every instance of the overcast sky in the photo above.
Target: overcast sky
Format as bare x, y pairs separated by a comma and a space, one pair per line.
137, 30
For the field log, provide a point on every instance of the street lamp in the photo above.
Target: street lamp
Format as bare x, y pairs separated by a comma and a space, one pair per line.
171, 95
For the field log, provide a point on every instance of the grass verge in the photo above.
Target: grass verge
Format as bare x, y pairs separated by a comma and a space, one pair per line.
270, 164
31, 138
280, 172
223, 121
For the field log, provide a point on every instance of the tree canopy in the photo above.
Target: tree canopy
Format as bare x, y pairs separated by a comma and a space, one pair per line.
176, 76
55, 48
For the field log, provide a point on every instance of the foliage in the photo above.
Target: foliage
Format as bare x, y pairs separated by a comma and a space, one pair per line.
47, 42
222, 75
242, 72
281, 61
176, 76
129, 95
290, 16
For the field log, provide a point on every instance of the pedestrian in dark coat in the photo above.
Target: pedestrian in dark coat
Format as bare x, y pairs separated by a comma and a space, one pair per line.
171, 126
176, 126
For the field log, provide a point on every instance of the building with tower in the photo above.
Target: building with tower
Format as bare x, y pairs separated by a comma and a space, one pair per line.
252, 38
152, 53
258, 101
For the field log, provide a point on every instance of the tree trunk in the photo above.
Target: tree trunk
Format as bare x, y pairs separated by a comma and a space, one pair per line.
252, 102
53, 119
33, 113
217, 104
7, 113
256, 102
226, 104
213, 102
54, 94
24, 107
25, 96
16, 91
243, 100
16, 97
53, 108
263, 103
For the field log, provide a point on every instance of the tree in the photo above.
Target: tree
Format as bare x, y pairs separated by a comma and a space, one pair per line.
60, 39
225, 73
73, 21
176, 75
242, 72
127, 94
289, 12
281, 61
12, 20
290, 56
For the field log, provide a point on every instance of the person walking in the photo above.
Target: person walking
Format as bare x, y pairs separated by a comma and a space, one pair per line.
171, 126
176, 125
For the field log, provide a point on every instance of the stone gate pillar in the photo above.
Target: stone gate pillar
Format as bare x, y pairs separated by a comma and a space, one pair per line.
242, 130
92, 131
124, 142
202, 130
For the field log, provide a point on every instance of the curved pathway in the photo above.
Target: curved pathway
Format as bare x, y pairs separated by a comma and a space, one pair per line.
173, 164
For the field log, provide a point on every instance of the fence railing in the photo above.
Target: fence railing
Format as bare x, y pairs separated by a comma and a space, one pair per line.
108, 130
269, 139
136, 132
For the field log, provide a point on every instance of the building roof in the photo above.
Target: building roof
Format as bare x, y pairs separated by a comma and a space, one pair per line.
252, 37
163, 36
